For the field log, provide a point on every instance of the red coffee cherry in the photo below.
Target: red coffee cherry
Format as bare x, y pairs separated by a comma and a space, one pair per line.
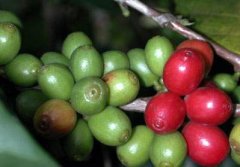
208, 105
165, 112
207, 145
184, 71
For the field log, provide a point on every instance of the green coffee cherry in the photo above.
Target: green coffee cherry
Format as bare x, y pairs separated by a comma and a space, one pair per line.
23, 70
86, 62
27, 103
79, 143
135, 152
235, 157
225, 81
158, 49
89, 95
123, 86
10, 42
236, 94
9, 17
73, 41
139, 66
54, 119
56, 81
234, 141
114, 60
54, 57
168, 150
111, 127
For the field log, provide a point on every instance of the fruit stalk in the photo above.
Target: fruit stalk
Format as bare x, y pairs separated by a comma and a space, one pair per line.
167, 20
139, 105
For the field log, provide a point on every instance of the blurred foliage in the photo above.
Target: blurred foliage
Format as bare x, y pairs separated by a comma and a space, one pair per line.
216, 19
47, 22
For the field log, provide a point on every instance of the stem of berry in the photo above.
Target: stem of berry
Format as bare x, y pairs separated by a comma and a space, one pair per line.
140, 104
167, 20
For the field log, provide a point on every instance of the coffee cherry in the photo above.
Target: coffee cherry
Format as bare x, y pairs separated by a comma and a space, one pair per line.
56, 81
111, 127
86, 62
183, 71
208, 106
165, 112
73, 41
207, 145
123, 86
235, 143
139, 66
9, 17
136, 151
225, 82
114, 60
78, 144
27, 103
89, 95
201, 46
23, 70
168, 150
236, 94
54, 118
10, 42
54, 57
158, 49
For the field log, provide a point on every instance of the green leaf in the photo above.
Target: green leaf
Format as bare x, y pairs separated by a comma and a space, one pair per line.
219, 20
17, 147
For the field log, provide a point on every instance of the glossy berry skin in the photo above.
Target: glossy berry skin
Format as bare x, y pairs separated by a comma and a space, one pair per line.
208, 106
54, 57
165, 112
73, 41
86, 62
158, 49
123, 86
56, 81
225, 82
168, 150
112, 127
10, 42
207, 145
114, 60
23, 70
54, 119
201, 46
183, 71
139, 65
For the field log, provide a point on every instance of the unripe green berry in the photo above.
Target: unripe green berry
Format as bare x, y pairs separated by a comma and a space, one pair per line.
79, 143
135, 152
139, 66
23, 70
158, 49
114, 60
89, 95
54, 57
73, 41
10, 42
86, 62
168, 150
111, 127
123, 86
56, 81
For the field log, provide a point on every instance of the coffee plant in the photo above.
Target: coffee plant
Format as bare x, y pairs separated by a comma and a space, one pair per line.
162, 104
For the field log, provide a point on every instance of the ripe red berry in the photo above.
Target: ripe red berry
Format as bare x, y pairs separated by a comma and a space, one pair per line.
201, 46
165, 112
207, 145
183, 71
208, 105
